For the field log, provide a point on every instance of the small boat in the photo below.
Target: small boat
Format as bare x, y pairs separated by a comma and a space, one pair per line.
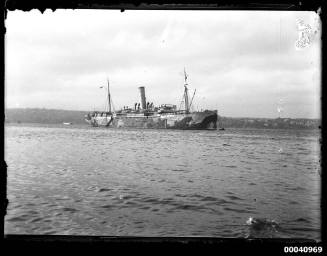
67, 123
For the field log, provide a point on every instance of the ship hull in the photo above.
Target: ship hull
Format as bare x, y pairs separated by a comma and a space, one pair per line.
206, 120
99, 121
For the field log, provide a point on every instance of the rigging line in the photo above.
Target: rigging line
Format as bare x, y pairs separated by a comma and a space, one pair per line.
106, 104
112, 103
192, 98
109, 97
181, 102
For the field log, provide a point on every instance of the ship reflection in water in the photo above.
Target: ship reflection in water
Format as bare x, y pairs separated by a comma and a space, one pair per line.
146, 115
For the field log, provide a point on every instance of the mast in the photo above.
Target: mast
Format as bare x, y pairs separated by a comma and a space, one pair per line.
109, 98
187, 107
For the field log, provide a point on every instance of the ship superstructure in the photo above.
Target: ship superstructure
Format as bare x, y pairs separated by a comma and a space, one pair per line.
146, 115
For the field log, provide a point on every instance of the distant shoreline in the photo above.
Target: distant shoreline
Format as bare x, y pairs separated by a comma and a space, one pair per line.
60, 125
87, 111
56, 116
88, 125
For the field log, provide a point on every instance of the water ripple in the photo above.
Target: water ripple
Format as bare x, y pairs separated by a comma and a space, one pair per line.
162, 182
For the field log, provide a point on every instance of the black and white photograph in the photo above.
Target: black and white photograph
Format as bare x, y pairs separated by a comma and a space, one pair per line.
163, 123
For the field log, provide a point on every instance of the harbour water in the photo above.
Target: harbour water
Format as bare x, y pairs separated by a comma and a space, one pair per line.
79, 180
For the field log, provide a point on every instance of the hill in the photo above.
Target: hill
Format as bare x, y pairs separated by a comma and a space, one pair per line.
269, 123
56, 116
44, 116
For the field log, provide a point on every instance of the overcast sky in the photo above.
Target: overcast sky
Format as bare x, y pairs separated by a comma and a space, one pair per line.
245, 64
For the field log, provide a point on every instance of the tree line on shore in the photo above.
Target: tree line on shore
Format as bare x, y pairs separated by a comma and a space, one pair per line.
55, 116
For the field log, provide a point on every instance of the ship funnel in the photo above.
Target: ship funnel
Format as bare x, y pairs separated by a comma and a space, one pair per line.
143, 100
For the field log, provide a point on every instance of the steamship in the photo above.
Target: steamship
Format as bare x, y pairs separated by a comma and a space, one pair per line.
146, 115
